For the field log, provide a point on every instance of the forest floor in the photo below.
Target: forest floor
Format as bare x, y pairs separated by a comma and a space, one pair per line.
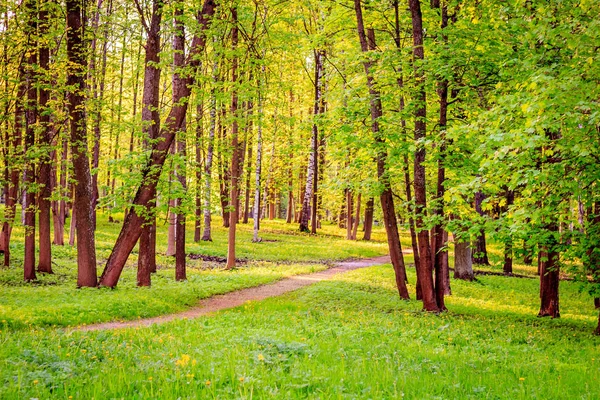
348, 336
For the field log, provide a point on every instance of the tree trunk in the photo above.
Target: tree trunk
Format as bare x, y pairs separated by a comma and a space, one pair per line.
259, 143
199, 164
424, 269
480, 255
206, 235
235, 157
549, 279
150, 129
131, 229
15, 155
98, 94
369, 218
386, 197
82, 206
311, 172
31, 111
349, 207
356, 218
463, 263
180, 173
45, 138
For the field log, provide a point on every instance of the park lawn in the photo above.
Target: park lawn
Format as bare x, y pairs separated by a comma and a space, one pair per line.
347, 338
54, 300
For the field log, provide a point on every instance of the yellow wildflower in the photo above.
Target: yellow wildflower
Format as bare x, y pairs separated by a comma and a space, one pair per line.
183, 361
261, 357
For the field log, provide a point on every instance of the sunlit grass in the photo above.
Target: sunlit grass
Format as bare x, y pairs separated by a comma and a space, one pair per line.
347, 338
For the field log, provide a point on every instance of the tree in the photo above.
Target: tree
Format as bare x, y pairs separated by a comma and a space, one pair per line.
83, 205
386, 197
131, 230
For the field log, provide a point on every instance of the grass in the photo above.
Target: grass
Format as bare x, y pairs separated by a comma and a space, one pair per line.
53, 300
346, 338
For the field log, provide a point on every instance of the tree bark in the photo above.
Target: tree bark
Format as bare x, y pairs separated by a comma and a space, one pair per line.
386, 197
259, 144
31, 113
150, 129
180, 173
311, 172
549, 278
368, 225
206, 235
508, 244
82, 206
463, 263
424, 269
235, 157
356, 218
131, 229
480, 255
45, 139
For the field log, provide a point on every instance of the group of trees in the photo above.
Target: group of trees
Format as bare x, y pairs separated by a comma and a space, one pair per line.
464, 117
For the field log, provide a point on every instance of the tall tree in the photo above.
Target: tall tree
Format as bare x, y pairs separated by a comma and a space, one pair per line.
150, 128
82, 205
424, 269
131, 230
386, 196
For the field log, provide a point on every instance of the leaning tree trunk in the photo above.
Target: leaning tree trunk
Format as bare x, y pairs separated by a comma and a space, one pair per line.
386, 197
424, 269
131, 230
150, 128
83, 205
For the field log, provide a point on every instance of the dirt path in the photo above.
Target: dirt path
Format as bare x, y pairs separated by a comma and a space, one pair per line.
239, 297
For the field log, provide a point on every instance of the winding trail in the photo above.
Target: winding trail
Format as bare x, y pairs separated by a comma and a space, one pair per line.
239, 297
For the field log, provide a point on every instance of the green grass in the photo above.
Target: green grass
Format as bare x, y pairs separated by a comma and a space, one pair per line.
54, 300
347, 338
342, 339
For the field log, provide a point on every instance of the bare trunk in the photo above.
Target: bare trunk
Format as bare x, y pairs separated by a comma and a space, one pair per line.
199, 164
29, 204
356, 218
45, 255
259, 144
424, 269
386, 197
369, 219
180, 173
311, 172
82, 206
235, 157
206, 236
131, 229
463, 263
150, 129
480, 255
